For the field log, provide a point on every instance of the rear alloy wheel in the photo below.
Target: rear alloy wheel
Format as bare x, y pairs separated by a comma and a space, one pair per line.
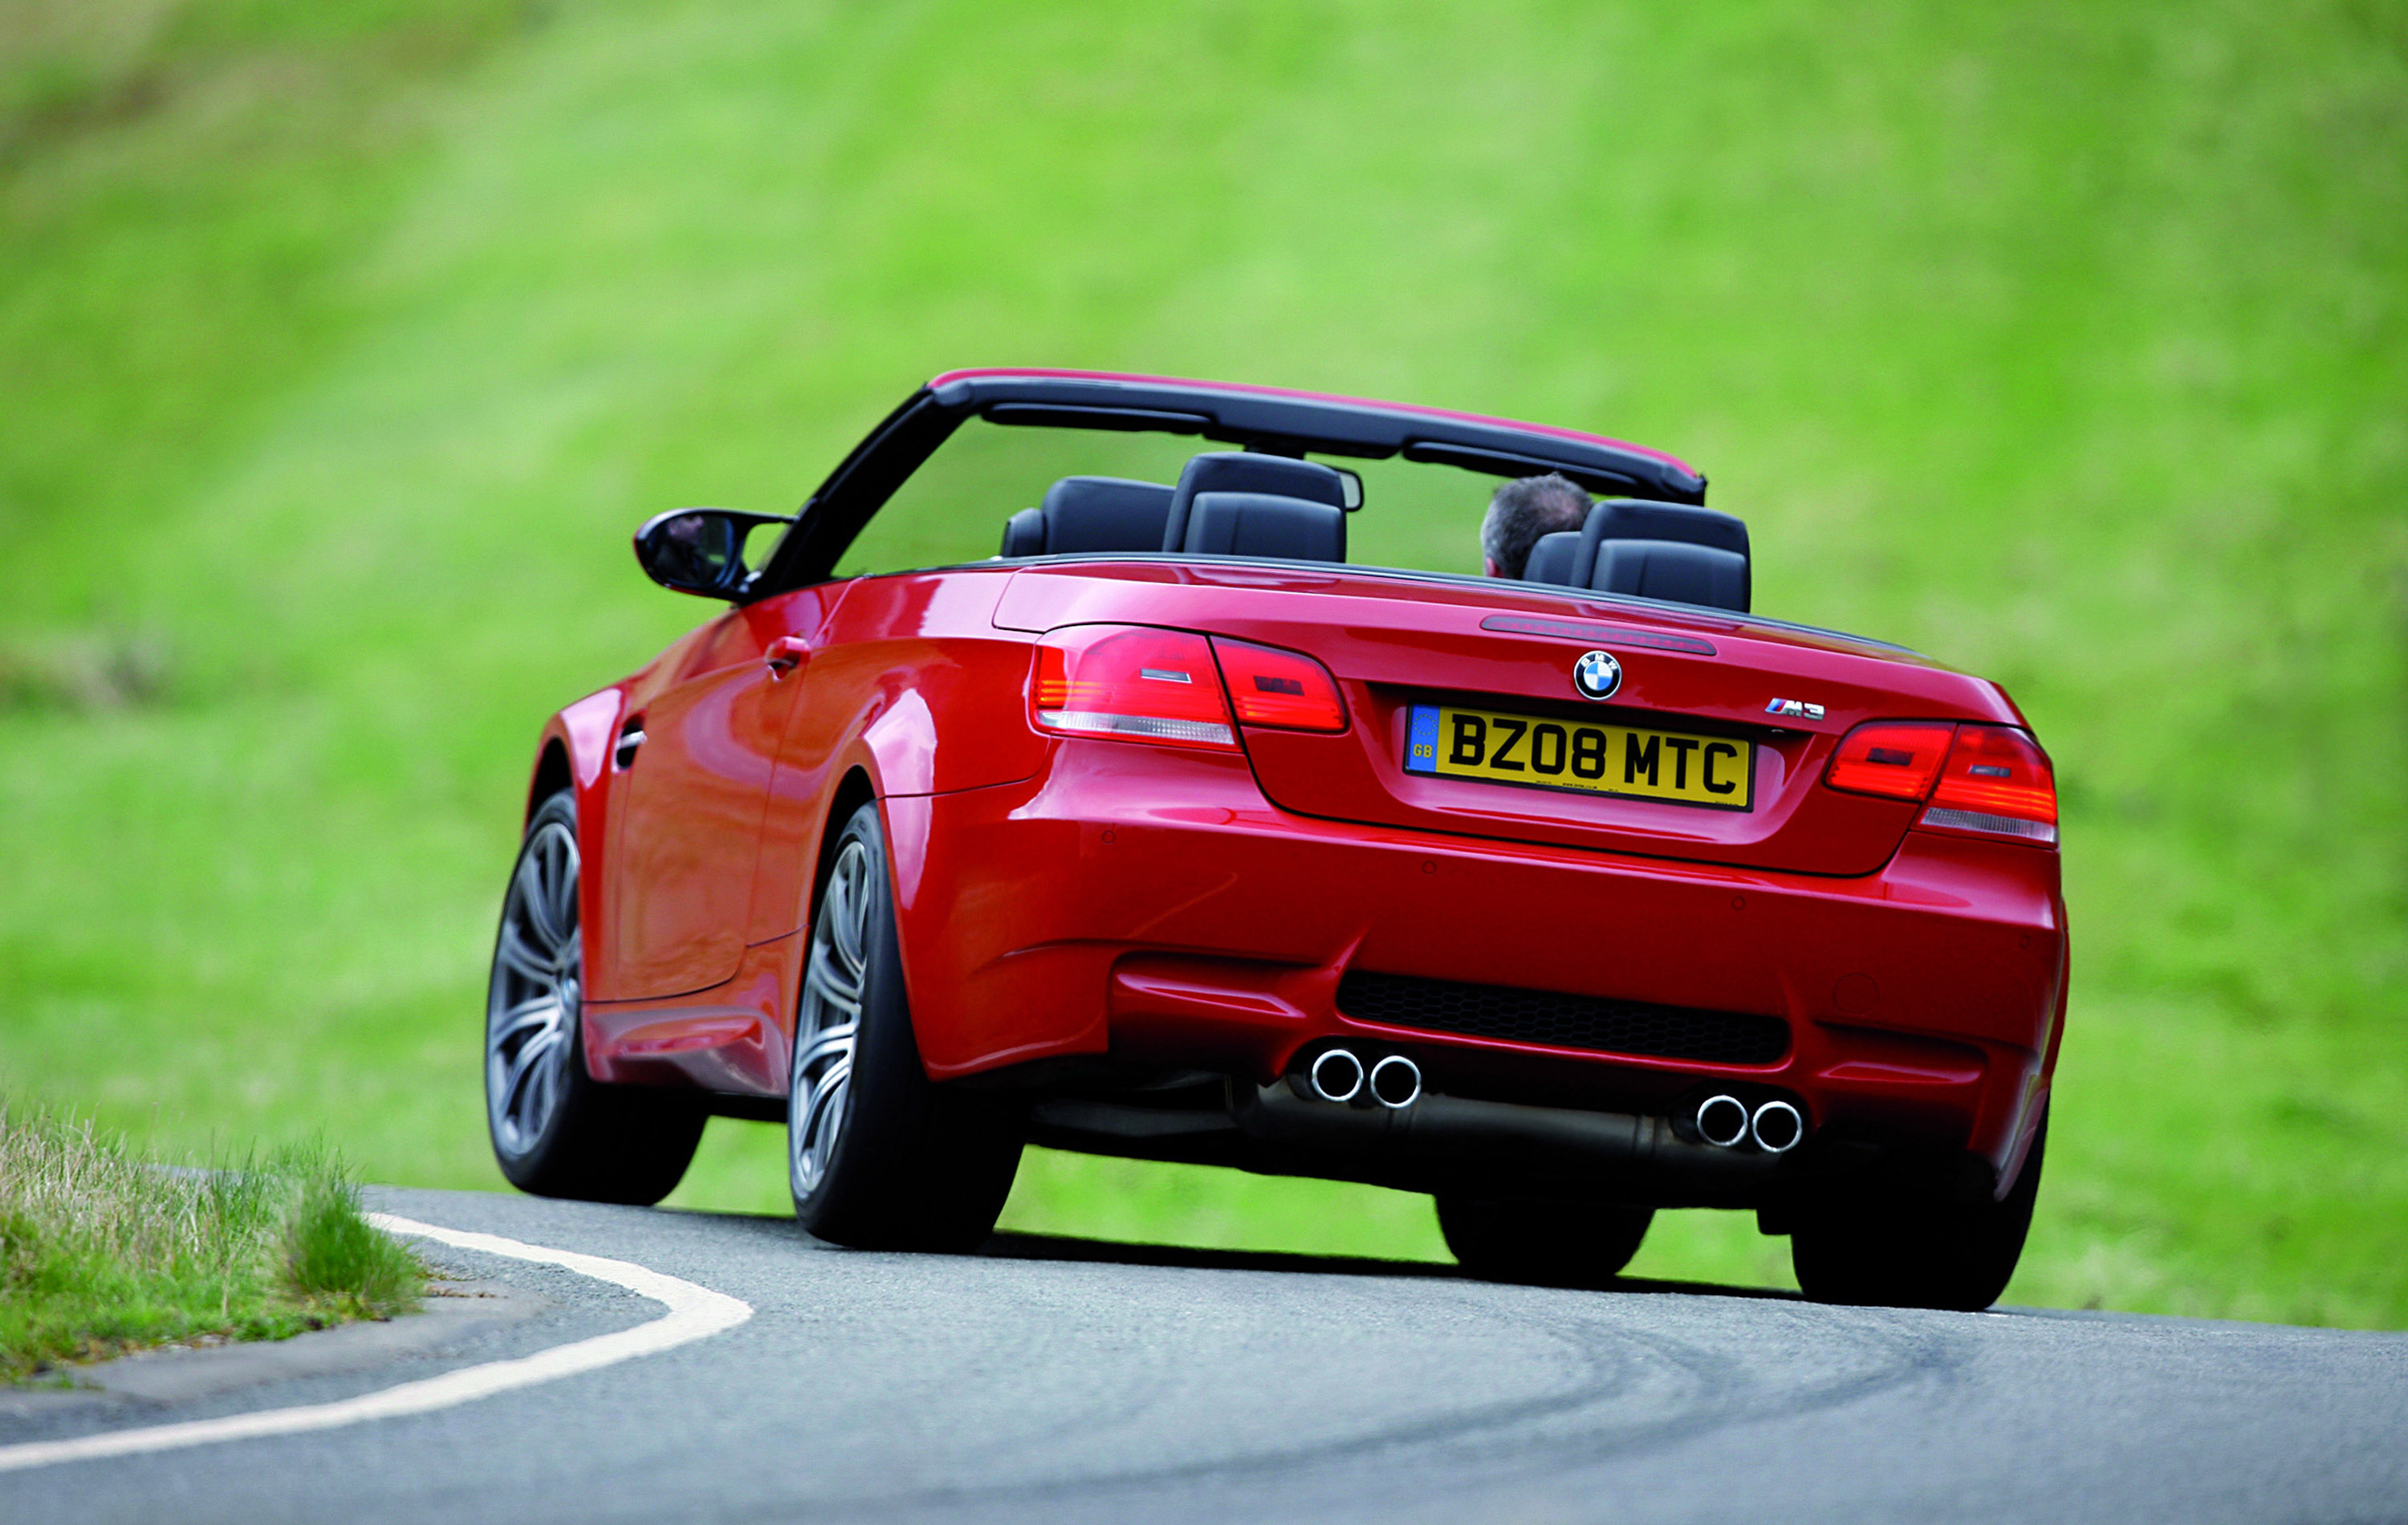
878, 1155
1555, 1242
1894, 1254
557, 1131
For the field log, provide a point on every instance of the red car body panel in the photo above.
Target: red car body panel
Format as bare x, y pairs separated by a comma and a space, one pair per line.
1387, 649
1060, 898
1077, 912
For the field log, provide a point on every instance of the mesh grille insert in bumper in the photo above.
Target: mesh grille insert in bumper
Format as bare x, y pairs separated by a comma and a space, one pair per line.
1541, 1016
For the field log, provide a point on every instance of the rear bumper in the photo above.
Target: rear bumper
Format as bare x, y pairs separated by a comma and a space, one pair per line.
1153, 907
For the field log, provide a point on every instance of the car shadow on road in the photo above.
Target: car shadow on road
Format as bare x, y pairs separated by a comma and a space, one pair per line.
1024, 1246
1066, 1247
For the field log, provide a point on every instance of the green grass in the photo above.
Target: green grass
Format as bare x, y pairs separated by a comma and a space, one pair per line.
101, 1251
343, 343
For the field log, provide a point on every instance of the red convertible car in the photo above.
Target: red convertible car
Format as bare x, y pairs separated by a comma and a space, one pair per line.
1176, 832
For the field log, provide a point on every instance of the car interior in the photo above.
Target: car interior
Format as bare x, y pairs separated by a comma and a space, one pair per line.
1235, 503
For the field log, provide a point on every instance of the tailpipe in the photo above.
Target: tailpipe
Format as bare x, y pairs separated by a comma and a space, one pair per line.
1395, 1082
1777, 1128
1723, 1121
1337, 1075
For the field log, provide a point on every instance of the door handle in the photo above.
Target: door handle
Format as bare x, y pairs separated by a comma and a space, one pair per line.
629, 739
785, 654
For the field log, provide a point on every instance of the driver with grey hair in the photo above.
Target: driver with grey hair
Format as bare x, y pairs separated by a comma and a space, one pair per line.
1521, 513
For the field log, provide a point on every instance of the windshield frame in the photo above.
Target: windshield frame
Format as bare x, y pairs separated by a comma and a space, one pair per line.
1261, 419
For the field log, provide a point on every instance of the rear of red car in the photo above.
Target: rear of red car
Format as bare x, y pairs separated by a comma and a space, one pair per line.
1288, 813
1172, 830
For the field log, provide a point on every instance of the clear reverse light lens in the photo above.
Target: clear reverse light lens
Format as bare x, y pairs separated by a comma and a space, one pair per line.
1133, 683
1998, 781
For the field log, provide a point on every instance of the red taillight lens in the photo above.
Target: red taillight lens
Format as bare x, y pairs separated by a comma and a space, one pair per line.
1897, 758
1133, 682
1997, 781
1285, 690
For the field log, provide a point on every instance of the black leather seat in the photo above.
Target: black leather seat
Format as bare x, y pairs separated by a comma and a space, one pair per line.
1090, 513
1241, 471
1551, 559
1669, 551
1265, 525
1670, 571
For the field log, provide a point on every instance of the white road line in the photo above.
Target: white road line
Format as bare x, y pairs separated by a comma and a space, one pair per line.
695, 1313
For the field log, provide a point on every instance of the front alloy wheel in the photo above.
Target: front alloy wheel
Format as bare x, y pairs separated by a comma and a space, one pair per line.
557, 1131
532, 1003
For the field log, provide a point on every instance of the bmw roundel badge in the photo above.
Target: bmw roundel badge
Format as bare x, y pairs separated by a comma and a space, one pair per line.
1596, 675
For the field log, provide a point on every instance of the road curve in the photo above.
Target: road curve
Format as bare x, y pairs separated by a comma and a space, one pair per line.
1068, 1382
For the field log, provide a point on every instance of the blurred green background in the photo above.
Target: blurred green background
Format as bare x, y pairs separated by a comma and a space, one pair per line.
343, 341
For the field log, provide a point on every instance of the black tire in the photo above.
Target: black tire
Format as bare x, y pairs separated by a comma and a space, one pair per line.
1894, 1254
557, 1131
878, 1155
1554, 1242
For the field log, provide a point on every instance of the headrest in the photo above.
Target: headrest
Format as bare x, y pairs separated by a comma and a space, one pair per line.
1668, 570
1090, 513
1630, 520
1243, 471
1552, 558
1265, 525
1641, 519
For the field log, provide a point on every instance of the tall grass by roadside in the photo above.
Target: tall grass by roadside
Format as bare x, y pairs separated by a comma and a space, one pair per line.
102, 1251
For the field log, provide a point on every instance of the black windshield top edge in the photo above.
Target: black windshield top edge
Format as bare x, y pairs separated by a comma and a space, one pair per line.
1280, 423
1328, 427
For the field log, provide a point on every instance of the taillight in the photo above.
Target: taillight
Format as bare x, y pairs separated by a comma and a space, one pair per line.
1897, 758
1997, 781
1285, 690
1127, 681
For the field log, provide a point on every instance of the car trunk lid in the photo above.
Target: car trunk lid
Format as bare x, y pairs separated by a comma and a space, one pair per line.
1407, 649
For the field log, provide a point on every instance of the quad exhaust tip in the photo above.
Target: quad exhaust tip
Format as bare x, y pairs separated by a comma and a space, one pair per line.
1723, 1120
1395, 1082
1337, 1075
1777, 1128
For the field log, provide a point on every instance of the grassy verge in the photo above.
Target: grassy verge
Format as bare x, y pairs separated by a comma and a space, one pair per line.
102, 1251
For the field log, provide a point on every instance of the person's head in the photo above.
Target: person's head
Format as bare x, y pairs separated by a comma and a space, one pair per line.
1521, 513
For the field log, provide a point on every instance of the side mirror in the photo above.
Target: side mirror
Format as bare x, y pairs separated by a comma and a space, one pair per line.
700, 551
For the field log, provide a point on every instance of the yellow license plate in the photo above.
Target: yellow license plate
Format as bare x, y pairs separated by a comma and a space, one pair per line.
1593, 757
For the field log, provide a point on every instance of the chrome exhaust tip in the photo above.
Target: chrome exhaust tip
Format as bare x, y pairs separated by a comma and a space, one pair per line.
1336, 1076
1777, 1127
1395, 1082
1722, 1121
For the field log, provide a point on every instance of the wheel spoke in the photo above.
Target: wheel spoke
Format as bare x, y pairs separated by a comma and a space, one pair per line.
822, 1116
523, 1064
533, 899
563, 877
848, 926
513, 954
541, 1010
835, 908
543, 1093
835, 1042
832, 983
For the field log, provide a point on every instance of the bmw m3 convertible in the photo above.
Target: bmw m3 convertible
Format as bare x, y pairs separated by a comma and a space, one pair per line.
1191, 823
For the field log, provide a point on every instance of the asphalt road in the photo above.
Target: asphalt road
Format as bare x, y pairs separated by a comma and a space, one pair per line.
1065, 1382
